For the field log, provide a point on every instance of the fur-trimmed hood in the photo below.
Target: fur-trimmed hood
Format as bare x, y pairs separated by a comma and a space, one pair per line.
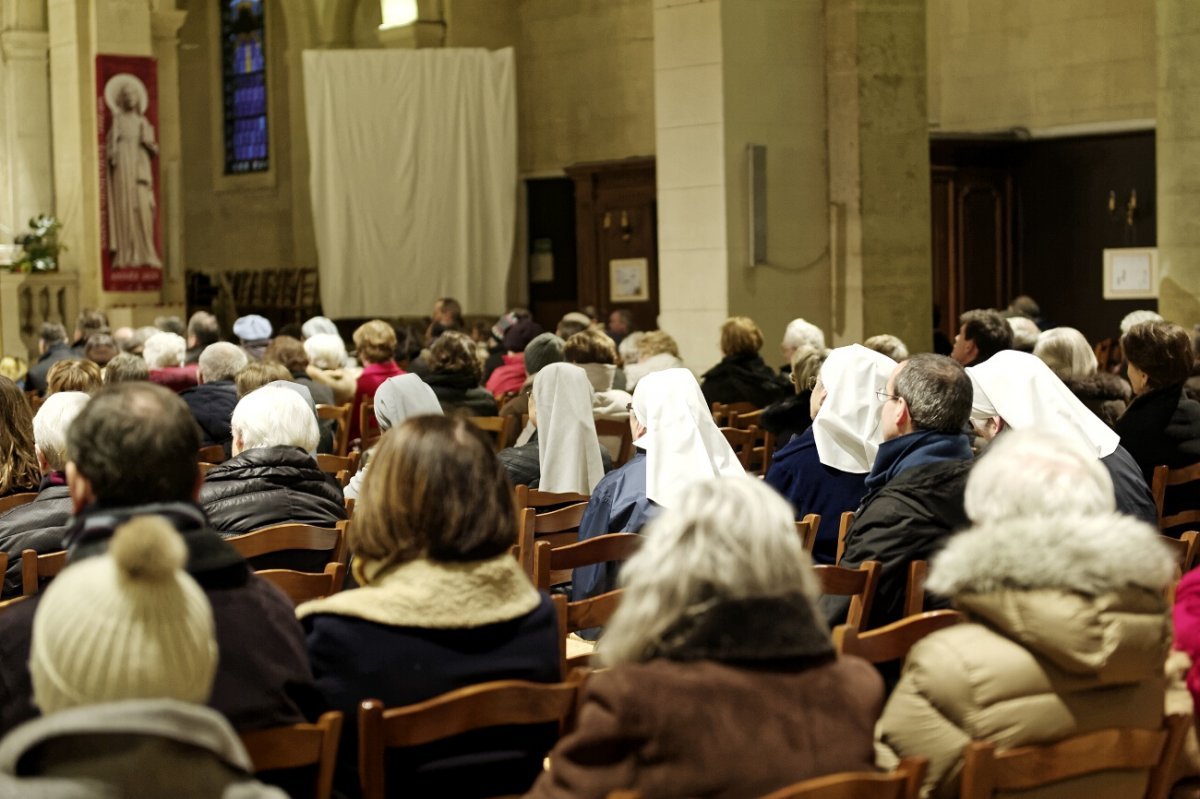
757, 629
1100, 386
1089, 555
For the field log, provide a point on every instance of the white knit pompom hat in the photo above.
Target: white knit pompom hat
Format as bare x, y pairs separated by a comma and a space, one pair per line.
129, 624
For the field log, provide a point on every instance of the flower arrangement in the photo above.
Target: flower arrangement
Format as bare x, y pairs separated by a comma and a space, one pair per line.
41, 248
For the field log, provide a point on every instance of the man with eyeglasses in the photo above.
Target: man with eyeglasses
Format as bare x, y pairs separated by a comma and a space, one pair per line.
914, 497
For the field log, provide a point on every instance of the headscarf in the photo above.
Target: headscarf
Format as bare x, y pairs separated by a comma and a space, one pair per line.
682, 443
398, 398
1022, 390
568, 450
847, 429
318, 325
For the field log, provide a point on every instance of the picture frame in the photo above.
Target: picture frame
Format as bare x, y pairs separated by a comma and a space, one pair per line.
629, 280
1131, 273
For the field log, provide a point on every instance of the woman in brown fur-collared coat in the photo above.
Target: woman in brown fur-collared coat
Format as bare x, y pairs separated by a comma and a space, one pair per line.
1067, 633
723, 680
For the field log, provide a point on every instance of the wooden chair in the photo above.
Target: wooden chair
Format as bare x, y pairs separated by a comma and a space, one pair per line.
892, 641
213, 453
617, 428
533, 498
17, 500
764, 444
859, 584
303, 586
903, 783
1185, 549
340, 416
37, 569
369, 431
986, 771
1165, 478
332, 464
721, 411
914, 594
550, 561
807, 533
742, 443
491, 704
557, 527
843, 530
349, 503
8, 603
500, 428
582, 615
298, 746
290, 537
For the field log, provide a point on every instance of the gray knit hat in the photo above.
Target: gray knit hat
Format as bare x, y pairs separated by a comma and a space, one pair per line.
543, 351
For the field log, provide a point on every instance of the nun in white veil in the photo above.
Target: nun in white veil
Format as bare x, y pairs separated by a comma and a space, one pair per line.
823, 469
563, 454
677, 444
396, 399
1018, 391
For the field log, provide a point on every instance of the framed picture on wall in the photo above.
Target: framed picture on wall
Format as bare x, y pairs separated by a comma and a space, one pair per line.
1131, 273
629, 280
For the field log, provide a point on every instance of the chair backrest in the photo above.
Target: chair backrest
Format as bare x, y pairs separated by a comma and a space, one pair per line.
492, 704
500, 427
903, 783
617, 428
287, 537
1185, 549
744, 420
986, 771
303, 586
857, 583
213, 453
17, 500
558, 527
574, 616
1165, 478
297, 746
892, 641
332, 464
607, 548
742, 443
722, 411
368, 426
37, 569
807, 533
340, 416
914, 594
533, 498
844, 526
348, 502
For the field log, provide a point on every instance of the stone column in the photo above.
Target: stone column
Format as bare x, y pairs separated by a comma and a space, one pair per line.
1177, 142
879, 170
26, 172
165, 27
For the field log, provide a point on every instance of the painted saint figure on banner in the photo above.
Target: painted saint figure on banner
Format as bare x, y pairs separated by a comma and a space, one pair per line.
130, 147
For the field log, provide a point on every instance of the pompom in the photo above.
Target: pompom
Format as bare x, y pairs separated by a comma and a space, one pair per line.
148, 548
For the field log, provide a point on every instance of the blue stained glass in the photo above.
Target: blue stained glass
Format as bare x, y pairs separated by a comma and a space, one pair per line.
243, 73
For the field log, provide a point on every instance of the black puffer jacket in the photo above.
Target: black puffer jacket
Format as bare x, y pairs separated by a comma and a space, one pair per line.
37, 525
270, 485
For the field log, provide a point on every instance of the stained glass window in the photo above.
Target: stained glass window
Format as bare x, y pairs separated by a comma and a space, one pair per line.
244, 80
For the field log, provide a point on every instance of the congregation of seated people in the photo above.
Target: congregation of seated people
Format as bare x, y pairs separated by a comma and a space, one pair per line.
606, 571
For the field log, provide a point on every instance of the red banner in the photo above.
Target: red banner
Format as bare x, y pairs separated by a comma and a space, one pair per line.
127, 115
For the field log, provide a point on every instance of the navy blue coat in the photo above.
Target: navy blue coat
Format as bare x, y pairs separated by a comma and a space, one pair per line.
812, 487
354, 659
212, 406
618, 505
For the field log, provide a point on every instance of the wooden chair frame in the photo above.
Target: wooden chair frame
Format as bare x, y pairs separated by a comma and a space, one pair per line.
35, 568
857, 583
722, 411
559, 527
533, 498
903, 783
500, 428
742, 443
332, 464
809, 534
986, 771
340, 416
575, 616
17, 500
610, 547
914, 593
1165, 478
213, 453
304, 586
844, 525
286, 537
297, 746
892, 641
617, 428
490, 704
1185, 549
369, 431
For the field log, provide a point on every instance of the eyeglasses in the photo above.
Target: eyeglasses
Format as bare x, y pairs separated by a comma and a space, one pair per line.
885, 397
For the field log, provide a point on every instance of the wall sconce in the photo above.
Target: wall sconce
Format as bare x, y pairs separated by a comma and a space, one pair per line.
1130, 206
397, 13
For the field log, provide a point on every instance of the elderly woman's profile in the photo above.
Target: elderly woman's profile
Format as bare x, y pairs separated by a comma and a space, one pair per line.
130, 146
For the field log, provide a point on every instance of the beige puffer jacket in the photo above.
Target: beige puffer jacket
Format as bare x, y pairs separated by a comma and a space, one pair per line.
1068, 631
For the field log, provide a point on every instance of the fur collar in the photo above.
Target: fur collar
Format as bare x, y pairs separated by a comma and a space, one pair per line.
1089, 555
741, 630
433, 595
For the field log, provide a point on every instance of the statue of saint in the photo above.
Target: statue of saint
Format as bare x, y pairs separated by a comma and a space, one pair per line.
130, 146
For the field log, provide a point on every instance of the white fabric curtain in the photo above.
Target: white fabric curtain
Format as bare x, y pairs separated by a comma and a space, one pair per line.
413, 178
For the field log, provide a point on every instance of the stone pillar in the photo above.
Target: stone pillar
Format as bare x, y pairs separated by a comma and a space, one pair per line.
165, 27
26, 172
879, 170
1177, 142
